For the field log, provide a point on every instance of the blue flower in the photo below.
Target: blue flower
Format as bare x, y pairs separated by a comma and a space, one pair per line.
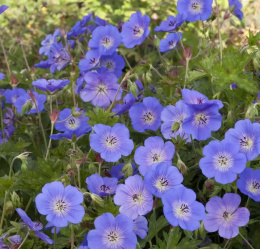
112, 232
141, 226
15, 240
247, 136
111, 142
48, 41
50, 225
170, 24
99, 21
102, 186
249, 183
2, 76
237, 5
71, 123
8, 132
43, 64
171, 115
23, 99
224, 215
34, 226
113, 63
59, 57
106, 39
153, 151
61, 204
100, 89
162, 177
197, 98
195, 10
84, 244
12, 95
135, 30
133, 197
116, 171
147, 115
91, 61
8, 117
3, 8
203, 119
50, 86
80, 82
70, 134
223, 161
181, 208
170, 42
80, 27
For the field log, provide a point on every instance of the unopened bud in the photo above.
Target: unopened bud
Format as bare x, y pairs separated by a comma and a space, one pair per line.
15, 200
156, 41
14, 80
251, 112
175, 127
54, 116
209, 186
24, 166
23, 156
133, 88
31, 94
98, 157
187, 53
128, 169
174, 73
226, 16
97, 200
155, 203
81, 160
181, 166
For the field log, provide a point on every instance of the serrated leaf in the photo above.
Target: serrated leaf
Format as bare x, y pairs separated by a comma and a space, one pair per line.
195, 75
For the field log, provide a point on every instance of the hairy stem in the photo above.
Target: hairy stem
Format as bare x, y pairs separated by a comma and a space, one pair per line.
41, 126
3, 211
246, 241
6, 60
219, 33
49, 145
25, 238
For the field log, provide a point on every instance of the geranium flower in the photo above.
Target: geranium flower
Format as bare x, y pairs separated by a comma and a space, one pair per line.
237, 5
223, 161
2, 76
162, 177
135, 30
102, 186
112, 63
181, 208
141, 226
69, 134
84, 244
195, 10
34, 226
133, 197
111, 142
249, 183
8, 132
147, 115
116, 171
23, 99
170, 24
8, 117
170, 42
3, 8
106, 39
100, 89
172, 115
202, 119
50, 86
153, 151
247, 136
12, 95
112, 232
224, 215
48, 41
91, 60
61, 204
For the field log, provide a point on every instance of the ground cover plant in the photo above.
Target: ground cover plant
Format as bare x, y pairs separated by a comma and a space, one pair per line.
132, 131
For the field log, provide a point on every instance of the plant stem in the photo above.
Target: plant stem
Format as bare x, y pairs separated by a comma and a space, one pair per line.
25, 238
78, 167
28, 205
61, 121
71, 236
247, 202
150, 243
219, 33
186, 71
127, 62
99, 169
6, 60
50, 103
3, 212
226, 244
41, 126
24, 56
2, 122
246, 240
156, 71
11, 167
73, 93
49, 145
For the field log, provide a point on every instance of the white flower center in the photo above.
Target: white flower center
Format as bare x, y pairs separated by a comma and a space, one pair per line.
109, 65
156, 156
138, 31
138, 198
196, 7
111, 141
60, 206
148, 117
101, 89
107, 42
181, 210
201, 119
246, 143
223, 161
253, 186
113, 238
162, 184
72, 123
227, 216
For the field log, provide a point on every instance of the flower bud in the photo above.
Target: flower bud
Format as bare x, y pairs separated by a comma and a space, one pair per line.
14, 80
97, 200
156, 41
76, 113
208, 186
133, 88
9, 207
175, 127
187, 53
24, 166
181, 166
251, 112
23, 156
128, 169
98, 157
32, 96
226, 16
54, 116
16, 200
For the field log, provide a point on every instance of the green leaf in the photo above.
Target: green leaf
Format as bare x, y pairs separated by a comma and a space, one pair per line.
195, 75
